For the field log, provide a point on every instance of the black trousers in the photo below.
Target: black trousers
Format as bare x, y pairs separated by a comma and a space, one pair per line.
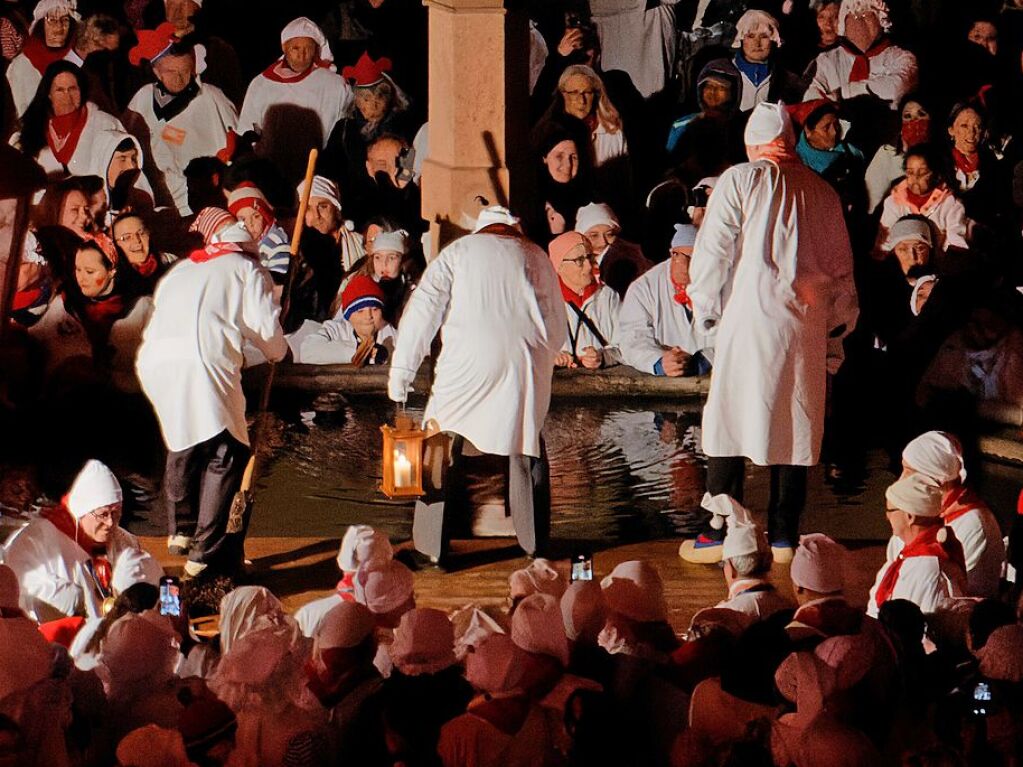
527, 496
198, 485
786, 502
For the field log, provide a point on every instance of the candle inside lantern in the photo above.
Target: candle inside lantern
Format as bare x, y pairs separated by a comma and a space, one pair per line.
402, 469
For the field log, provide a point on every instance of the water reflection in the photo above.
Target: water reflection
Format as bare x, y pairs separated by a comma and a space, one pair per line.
617, 474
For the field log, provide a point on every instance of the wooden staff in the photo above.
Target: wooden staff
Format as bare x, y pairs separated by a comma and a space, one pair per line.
241, 504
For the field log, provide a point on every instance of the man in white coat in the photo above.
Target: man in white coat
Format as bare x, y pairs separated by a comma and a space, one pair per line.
655, 325
295, 102
929, 569
772, 289
939, 456
865, 62
496, 302
189, 364
176, 119
591, 307
65, 559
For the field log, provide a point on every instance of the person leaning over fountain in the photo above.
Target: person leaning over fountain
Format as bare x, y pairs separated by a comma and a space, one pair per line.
496, 302
655, 326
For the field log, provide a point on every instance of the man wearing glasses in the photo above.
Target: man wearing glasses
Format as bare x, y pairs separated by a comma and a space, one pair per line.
65, 559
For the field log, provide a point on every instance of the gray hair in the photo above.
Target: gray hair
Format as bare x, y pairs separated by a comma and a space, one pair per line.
747, 565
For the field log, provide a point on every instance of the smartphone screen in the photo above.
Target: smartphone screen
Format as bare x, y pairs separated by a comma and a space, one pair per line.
582, 567
170, 596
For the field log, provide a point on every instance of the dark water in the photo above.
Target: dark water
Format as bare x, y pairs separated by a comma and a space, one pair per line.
617, 474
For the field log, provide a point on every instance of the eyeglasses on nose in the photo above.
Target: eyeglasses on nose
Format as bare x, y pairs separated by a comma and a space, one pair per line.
580, 260
129, 236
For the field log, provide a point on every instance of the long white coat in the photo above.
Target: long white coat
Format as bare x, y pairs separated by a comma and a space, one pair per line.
978, 531
651, 321
498, 305
190, 360
637, 39
322, 92
51, 570
927, 582
199, 131
773, 268
893, 74
602, 308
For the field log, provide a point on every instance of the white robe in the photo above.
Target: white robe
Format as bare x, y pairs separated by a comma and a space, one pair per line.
51, 571
772, 265
83, 162
983, 548
199, 131
948, 216
758, 604
309, 615
190, 360
602, 308
290, 115
335, 343
651, 321
893, 74
637, 39
927, 582
498, 305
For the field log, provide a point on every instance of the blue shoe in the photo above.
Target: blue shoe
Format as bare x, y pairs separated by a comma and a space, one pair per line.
782, 551
702, 550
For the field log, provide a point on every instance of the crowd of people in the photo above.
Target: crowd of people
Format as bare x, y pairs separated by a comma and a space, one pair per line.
817, 202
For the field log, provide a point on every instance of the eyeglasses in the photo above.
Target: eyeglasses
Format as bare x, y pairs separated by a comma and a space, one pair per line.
63, 21
129, 236
106, 515
580, 260
579, 94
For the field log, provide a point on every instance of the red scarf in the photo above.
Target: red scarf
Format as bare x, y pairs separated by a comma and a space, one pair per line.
61, 518
63, 133
926, 544
280, 72
681, 296
861, 64
35, 51
958, 500
916, 132
26, 298
967, 163
148, 267
214, 250
346, 587
571, 297
917, 200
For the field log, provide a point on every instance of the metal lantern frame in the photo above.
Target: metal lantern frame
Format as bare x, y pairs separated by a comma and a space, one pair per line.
403, 458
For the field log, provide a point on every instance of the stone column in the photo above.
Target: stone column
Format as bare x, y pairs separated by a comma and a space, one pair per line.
478, 110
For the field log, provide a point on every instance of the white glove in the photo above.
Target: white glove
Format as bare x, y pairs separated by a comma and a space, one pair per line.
398, 387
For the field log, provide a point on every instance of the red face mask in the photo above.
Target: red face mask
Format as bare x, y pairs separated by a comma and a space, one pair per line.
916, 132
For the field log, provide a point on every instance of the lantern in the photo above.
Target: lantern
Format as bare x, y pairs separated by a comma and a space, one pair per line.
403, 458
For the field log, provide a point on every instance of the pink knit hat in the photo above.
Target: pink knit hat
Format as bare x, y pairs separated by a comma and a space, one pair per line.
424, 642
383, 586
495, 666
634, 589
583, 611
818, 564
537, 627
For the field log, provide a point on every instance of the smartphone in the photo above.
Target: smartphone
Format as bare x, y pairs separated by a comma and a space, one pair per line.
981, 699
582, 567
170, 596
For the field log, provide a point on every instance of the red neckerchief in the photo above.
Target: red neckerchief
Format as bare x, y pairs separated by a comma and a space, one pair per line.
958, 500
280, 72
100, 316
61, 518
861, 64
148, 267
571, 297
592, 121
681, 296
967, 163
214, 250
918, 200
926, 544
346, 587
62, 134
26, 298
35, 51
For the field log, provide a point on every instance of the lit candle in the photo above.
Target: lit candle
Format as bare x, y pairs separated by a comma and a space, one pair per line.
402, 470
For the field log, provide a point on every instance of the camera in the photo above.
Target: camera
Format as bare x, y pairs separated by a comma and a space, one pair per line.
981, 699
582, 568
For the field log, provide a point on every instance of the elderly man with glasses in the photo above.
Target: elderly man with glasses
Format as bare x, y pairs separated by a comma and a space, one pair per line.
65, 559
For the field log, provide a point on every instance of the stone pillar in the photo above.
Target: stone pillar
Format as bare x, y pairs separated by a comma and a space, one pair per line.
478, 110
